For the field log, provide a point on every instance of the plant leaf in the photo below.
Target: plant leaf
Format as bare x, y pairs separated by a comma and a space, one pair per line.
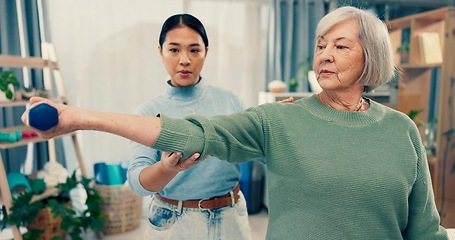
413, 113
9, 94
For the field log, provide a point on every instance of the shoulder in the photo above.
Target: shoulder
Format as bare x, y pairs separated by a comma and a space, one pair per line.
277, 110
226, 96
395, 117
221, 91
393, 113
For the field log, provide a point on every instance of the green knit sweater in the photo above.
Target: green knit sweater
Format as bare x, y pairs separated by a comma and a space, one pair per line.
331, 174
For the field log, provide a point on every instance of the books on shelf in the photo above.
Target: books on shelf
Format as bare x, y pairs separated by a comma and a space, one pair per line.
430, 47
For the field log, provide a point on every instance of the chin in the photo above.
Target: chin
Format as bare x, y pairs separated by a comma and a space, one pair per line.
185, 83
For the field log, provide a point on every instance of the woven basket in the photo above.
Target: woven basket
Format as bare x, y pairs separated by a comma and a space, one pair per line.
123, 209
45, 221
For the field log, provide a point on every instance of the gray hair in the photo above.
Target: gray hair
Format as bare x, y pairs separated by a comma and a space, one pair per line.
377, 49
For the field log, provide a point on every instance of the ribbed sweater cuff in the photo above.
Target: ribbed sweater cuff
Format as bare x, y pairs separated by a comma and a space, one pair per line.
176, 136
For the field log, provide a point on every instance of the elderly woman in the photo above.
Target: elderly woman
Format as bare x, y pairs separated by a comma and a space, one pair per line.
339, 166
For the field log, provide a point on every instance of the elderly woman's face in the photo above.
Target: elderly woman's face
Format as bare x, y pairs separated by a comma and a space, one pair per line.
339, 59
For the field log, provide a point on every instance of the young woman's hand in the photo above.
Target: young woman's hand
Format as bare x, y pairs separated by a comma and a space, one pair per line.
173, 161
287, 100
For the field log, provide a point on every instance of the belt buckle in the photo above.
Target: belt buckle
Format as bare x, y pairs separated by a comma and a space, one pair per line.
200, 202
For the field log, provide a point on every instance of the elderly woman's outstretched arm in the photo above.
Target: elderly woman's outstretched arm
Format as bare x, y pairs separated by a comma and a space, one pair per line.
71, 118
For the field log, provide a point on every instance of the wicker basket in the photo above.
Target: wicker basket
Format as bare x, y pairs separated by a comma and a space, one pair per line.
122, 207
51, 226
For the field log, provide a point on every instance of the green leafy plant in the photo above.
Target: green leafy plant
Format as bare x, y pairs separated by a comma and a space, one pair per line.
404, 47
7, 78
74, 223
293, 85
302, 71
429, 131
403, 50
413, 115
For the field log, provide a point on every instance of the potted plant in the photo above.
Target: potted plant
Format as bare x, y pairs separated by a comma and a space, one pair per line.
293, 85
403, 50
24, 212
302, 73
7, 83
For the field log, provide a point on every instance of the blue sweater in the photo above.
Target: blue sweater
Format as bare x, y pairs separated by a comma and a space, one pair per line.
207, 179
331, 174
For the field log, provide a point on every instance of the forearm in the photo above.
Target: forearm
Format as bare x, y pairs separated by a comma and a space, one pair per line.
155, 177
141, 129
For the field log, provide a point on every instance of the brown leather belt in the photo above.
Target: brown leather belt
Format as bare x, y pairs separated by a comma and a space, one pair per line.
220, 201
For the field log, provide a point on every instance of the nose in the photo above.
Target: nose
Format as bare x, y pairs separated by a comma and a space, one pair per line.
184, 59
327, 54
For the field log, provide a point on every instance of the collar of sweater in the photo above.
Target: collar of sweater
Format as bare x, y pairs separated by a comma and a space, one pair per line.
373, 114
185, 93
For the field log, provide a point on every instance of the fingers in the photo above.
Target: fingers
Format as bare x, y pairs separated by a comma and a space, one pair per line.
287, 100
24, 117
184, 164
34, 101
171, 157
175, 162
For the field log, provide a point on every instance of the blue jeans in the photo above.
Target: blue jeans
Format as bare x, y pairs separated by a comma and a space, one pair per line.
166, 222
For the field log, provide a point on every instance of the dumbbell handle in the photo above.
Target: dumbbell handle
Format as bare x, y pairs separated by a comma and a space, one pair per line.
43, 117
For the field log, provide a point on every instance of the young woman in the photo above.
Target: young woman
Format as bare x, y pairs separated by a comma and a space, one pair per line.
189, 201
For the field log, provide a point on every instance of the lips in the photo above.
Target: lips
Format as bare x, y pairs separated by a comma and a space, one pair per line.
184, 73
325, 71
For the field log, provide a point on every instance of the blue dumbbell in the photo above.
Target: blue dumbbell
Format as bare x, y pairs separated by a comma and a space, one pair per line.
43, 117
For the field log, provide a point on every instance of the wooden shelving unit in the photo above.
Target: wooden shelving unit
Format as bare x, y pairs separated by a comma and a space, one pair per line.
431, 88
50, 66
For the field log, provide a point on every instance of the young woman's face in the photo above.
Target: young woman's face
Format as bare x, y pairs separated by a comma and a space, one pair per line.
183, 55
339, 59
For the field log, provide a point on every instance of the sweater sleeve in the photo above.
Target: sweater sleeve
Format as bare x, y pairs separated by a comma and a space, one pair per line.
141, 157
236, 137
423, 220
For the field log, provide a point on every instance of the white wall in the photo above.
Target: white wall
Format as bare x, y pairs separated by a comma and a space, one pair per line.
107, 50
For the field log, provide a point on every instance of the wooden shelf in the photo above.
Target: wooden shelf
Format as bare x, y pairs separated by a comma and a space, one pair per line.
49, 192
24, 141
25, 102
53, 79
13, 104
406, 22
430, 87
418, 66
32, 62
